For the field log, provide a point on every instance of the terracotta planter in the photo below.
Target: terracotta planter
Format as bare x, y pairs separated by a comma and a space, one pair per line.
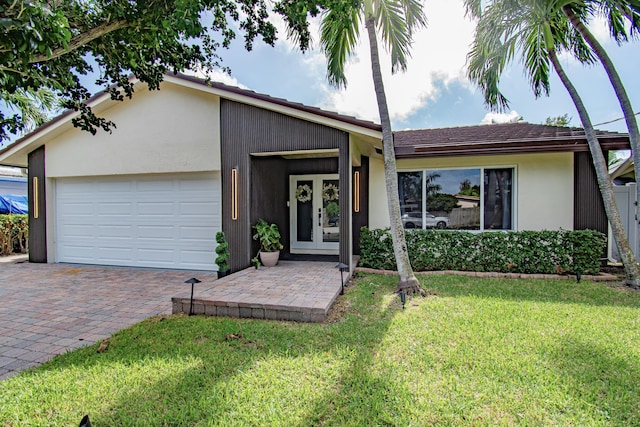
269, 259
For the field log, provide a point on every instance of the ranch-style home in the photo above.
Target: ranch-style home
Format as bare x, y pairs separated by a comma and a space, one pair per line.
194, 158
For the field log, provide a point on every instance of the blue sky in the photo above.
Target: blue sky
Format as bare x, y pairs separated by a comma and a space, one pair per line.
434, 92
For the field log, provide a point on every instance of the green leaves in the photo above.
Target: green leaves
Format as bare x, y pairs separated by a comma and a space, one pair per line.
339, 32
14, 230
396, 22
222, 252
53, 44
268, 235
541, 252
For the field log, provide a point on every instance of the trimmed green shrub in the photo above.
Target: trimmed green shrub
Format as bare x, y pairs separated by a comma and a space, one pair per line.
14, 232
222, 252
540, 252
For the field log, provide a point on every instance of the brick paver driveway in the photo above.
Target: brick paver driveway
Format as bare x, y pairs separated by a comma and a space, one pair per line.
47, 309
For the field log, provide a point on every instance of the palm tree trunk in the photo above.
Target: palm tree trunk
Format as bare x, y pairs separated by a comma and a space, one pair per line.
408, 282
604, 180
618, 87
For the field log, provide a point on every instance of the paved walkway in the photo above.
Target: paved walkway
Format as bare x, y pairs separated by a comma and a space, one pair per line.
47, 309
293, 290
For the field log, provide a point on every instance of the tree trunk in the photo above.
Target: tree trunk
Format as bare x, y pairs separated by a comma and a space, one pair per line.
604, 180
408, 282
618, 87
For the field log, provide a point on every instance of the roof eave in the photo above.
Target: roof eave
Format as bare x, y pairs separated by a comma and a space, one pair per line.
505, 148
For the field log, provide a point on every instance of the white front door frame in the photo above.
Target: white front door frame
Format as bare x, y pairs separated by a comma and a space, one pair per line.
317, 243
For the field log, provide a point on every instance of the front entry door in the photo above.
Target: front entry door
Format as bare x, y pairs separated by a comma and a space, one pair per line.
314, 202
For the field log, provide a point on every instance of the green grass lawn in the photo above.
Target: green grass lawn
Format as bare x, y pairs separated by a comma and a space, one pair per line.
474, 352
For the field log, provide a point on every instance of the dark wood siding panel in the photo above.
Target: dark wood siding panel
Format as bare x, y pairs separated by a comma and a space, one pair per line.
588, 212
361, 219
313, 166
269, 194
344, 171
37, 207
244, 130
270, 189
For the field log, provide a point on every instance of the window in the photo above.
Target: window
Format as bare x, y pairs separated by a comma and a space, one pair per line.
461, 199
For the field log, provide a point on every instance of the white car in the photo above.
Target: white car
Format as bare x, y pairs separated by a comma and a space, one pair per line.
414, 220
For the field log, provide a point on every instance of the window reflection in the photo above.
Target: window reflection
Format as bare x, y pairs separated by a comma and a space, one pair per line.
497, 199
455, 198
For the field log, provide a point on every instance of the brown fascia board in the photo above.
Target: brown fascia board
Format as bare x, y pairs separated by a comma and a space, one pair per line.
539, 145
223, 87
283, 102
62, 116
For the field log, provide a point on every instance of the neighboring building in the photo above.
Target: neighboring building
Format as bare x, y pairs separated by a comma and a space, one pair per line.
192, 159
12, 181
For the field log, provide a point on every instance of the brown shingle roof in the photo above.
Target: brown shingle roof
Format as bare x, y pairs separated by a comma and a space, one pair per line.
220, 86
283, 102
510, 138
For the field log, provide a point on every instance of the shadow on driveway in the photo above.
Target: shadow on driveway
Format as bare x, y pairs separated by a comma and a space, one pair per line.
48, 309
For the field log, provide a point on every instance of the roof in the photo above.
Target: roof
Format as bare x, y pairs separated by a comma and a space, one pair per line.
624, 168
509, 138
221, 89
283, 102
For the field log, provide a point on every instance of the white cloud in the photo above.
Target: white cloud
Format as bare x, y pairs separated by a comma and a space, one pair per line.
438, 56
496, 118
217, 76
600, 29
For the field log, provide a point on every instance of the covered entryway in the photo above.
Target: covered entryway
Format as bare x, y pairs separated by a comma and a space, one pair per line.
314, 214
161, 221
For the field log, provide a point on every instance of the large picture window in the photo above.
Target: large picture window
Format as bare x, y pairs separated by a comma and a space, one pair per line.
460, 199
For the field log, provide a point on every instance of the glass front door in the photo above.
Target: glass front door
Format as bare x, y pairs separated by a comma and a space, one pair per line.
314, 202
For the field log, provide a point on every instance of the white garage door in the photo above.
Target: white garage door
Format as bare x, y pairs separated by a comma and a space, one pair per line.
162, 221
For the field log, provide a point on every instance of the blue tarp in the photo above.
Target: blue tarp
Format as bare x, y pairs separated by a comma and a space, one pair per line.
13, 204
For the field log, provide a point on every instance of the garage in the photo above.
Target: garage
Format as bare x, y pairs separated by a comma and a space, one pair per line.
159, 221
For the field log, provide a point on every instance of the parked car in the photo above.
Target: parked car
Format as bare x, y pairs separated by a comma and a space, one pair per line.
414, 220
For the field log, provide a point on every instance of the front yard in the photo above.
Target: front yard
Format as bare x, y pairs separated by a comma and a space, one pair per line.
474, 352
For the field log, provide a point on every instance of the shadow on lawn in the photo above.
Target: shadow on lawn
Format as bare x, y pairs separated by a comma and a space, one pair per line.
602, 378
233, 353
541, 290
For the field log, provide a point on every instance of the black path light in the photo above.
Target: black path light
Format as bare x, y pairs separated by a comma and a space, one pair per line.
193, 281
343, 267
403, 298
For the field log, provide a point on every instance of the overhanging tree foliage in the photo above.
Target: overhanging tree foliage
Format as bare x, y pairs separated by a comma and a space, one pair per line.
536, 30
52, 44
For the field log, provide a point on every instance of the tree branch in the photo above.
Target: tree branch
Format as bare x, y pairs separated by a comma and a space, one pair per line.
82, 39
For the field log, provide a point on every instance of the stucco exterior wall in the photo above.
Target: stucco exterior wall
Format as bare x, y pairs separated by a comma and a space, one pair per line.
172, 130
543, 187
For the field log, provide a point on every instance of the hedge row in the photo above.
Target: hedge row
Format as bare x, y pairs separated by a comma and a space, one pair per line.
14, 232
537, 252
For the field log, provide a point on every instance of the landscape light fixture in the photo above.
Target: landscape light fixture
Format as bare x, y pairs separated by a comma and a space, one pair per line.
193, 281
343, 267
403, 298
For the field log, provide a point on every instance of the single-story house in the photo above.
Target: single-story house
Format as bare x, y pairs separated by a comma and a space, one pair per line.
194, 158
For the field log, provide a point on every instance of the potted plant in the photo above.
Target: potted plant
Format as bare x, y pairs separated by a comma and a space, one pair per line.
269, 237
222, 258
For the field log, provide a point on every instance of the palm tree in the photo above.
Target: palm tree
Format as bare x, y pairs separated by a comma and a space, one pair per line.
34, 107
536, 30
395, 22
616, 12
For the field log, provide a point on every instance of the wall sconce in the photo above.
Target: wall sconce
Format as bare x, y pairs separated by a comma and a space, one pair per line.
36, 201
356, 191
234, 194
